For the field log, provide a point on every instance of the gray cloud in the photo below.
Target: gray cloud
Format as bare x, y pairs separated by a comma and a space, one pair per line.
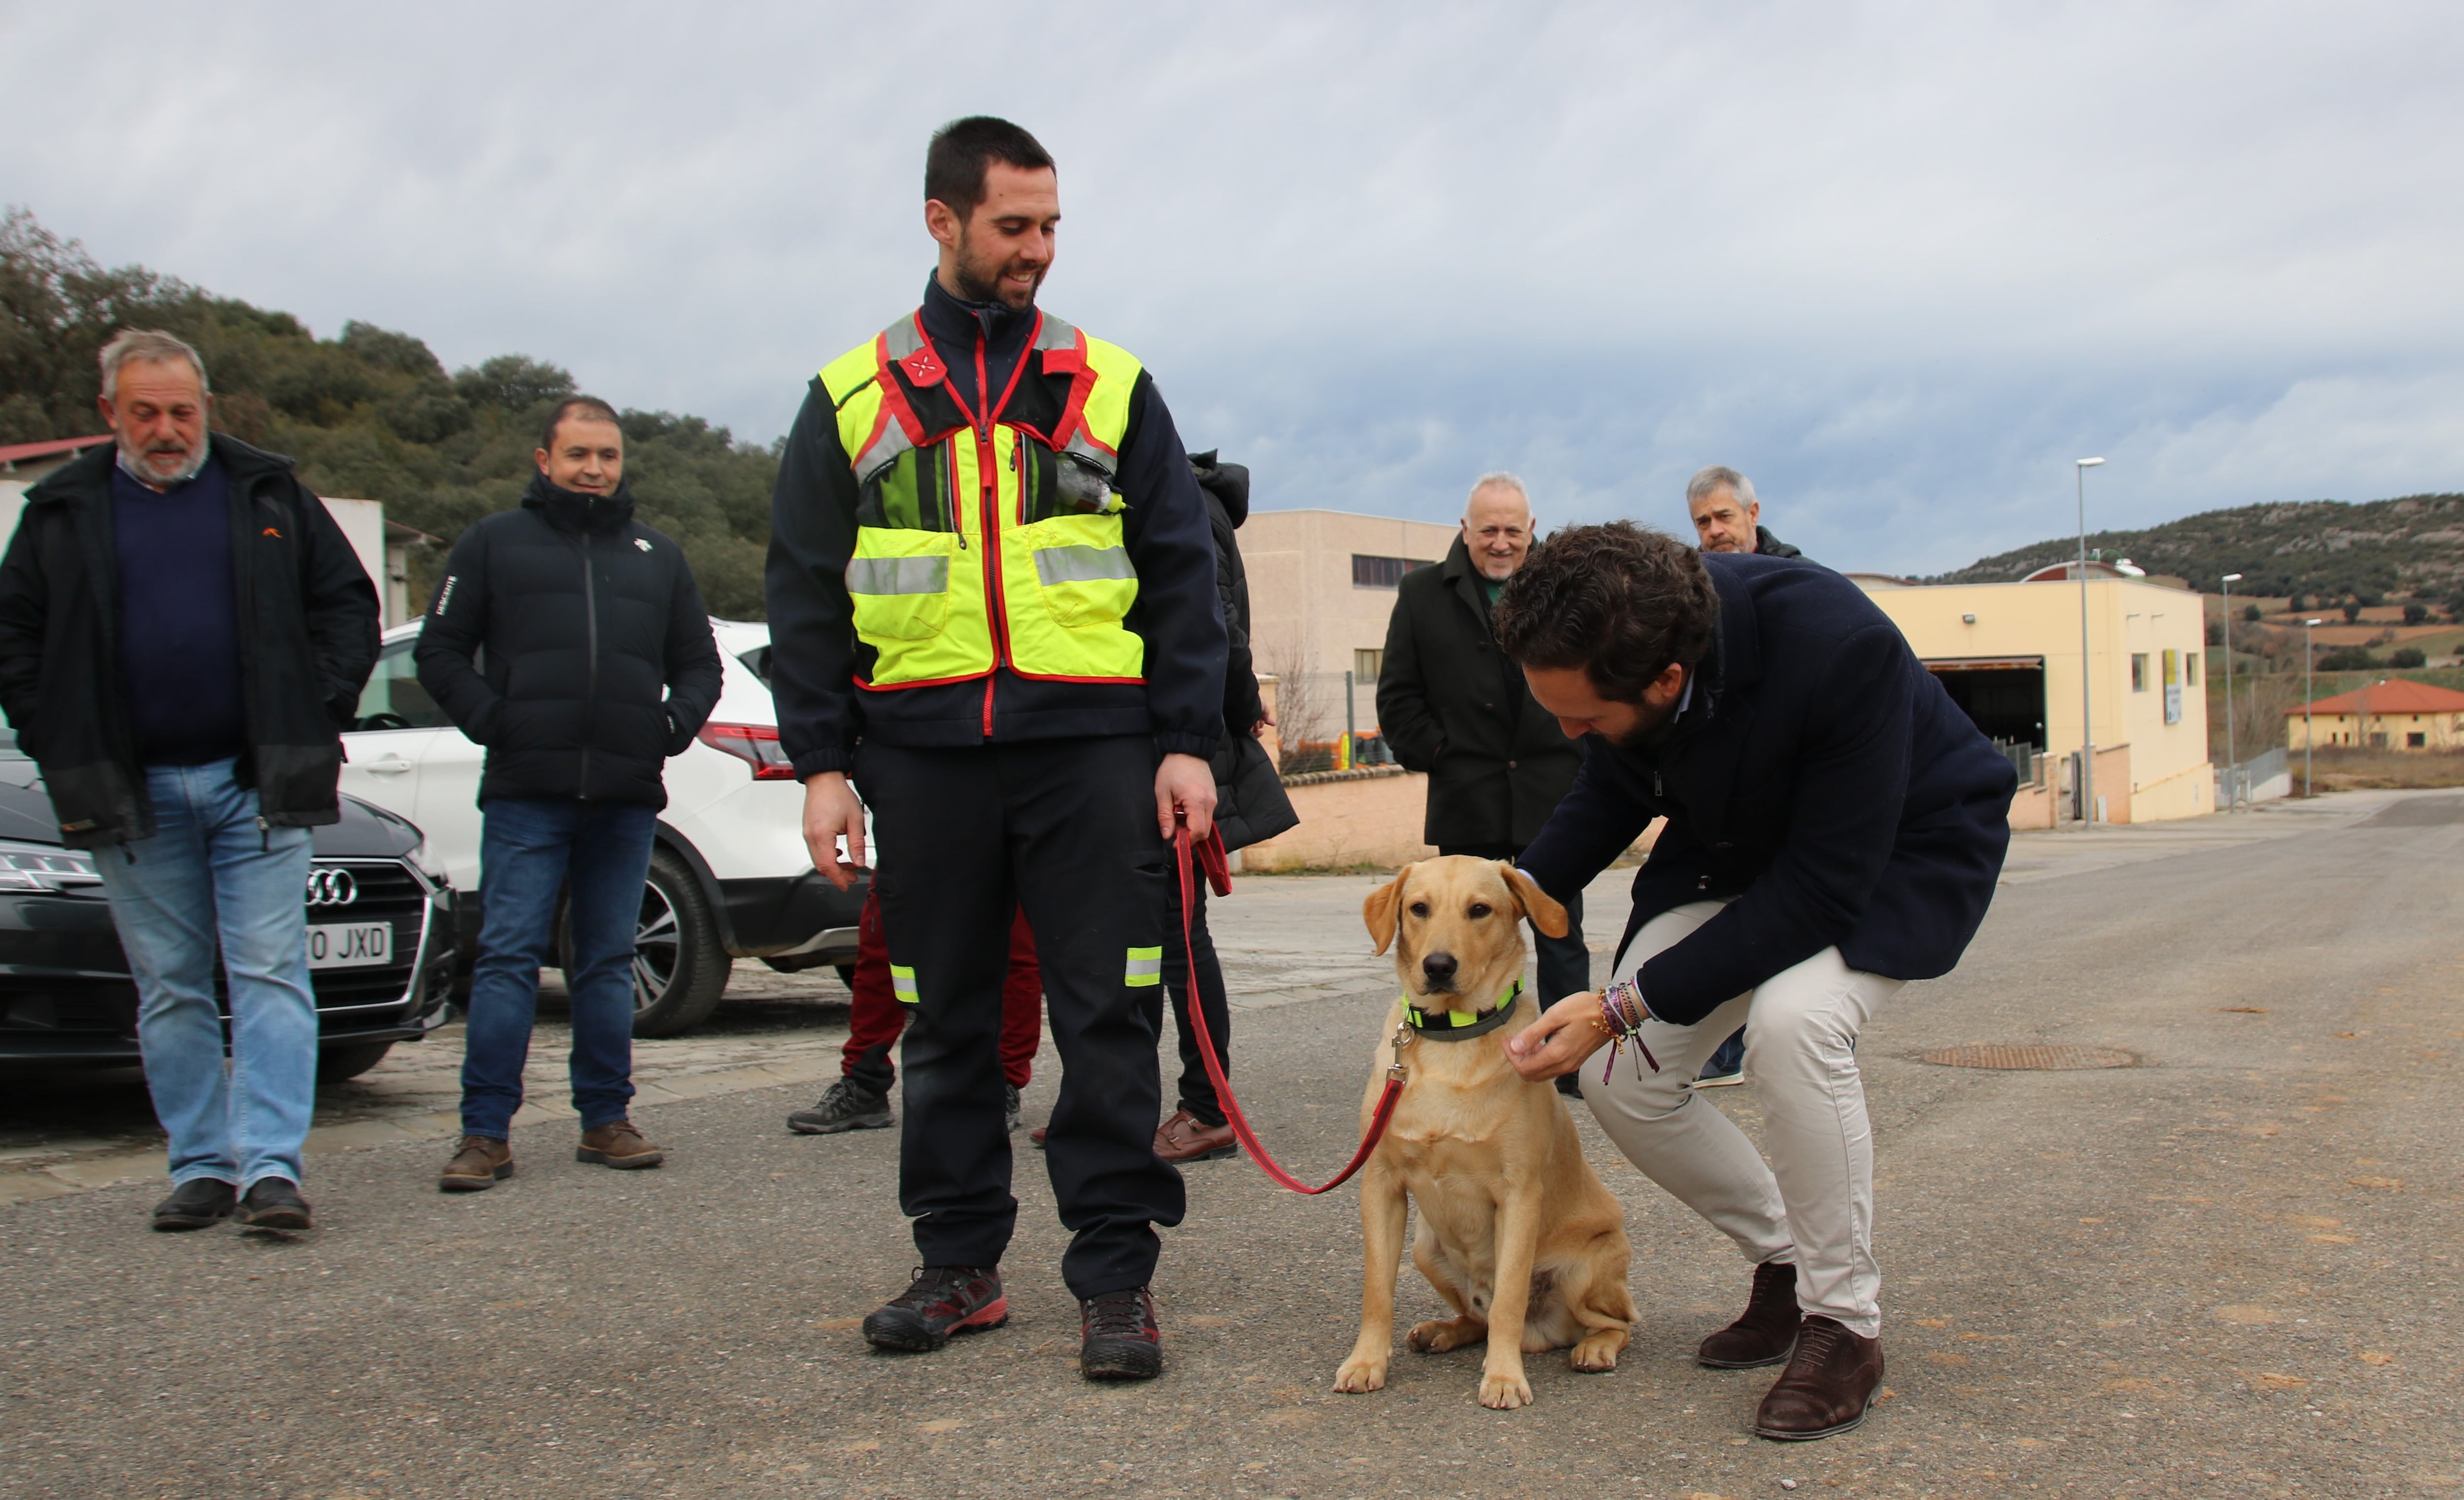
1899, 263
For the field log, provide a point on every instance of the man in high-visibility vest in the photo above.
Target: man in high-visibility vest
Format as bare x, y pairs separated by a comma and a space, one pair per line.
992, 604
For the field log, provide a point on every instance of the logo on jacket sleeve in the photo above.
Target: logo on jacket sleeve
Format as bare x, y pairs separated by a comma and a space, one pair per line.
639, 542
445, 596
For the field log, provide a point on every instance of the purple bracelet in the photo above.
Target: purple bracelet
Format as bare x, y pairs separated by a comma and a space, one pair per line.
1622, 1013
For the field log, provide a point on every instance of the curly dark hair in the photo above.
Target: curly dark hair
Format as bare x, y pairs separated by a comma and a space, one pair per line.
1619, 601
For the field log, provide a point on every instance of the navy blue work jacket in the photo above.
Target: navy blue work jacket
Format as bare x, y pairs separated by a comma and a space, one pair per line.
1820, 777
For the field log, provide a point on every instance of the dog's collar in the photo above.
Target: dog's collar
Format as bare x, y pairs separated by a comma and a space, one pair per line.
1462, 1025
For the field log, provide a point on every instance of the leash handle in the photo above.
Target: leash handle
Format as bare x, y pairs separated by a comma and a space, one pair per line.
1221, 880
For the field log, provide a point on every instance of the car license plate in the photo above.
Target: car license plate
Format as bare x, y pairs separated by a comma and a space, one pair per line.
349, 945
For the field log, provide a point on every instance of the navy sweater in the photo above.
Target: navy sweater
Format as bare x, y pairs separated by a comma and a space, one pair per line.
179, 618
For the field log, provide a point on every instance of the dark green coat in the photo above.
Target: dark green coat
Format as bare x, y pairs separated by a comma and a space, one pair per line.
1452, 704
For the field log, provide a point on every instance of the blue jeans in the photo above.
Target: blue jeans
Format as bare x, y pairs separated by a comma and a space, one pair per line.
211, 874
599, 853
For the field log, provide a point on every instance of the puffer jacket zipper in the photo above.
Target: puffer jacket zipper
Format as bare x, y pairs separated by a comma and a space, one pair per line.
590, 679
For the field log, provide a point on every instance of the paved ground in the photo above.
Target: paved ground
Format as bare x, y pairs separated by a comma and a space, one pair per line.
2227, 1271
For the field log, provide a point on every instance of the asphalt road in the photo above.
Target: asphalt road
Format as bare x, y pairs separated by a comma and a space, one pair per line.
2230, 1270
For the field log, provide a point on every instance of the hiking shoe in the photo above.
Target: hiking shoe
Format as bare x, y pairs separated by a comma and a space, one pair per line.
1711, 1080
1185, 1137
274, 1202
195, 1203
618, 1144
849, 1106
943, 1300
480, 1163
1120, 1339
1009, 1105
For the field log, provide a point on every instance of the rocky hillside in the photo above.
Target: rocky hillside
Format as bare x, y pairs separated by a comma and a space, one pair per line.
2324, 549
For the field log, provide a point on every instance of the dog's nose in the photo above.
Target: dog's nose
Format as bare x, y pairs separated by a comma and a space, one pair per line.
1440, 967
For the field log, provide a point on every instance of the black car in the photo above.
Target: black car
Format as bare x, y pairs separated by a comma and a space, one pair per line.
380, 939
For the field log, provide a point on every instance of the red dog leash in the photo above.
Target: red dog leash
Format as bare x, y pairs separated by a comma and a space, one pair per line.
1218, 875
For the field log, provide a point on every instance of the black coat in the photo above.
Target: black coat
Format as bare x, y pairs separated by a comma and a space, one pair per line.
600, 660
307, 626
1819, 774
1250, 802
1450, 703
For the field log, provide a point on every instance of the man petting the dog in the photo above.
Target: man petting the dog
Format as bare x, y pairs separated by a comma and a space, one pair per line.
1835, 826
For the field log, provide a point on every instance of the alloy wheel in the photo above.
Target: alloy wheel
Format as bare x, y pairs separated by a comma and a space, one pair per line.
657, 948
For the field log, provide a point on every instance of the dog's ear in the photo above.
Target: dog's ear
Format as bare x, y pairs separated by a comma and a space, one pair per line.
1377, 913
1545, 912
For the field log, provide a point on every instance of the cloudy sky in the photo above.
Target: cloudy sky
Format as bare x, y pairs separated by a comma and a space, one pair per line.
1899, 263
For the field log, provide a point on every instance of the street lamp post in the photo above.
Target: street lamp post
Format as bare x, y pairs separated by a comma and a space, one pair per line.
2232, 755
2087, 730
2305, 707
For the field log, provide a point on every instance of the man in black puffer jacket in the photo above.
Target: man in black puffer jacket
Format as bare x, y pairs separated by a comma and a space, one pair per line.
600, 666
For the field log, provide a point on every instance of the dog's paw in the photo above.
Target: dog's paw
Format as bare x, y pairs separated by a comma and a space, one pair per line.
1599, 1352
1360, 1376
1437, 1337
1505, 1391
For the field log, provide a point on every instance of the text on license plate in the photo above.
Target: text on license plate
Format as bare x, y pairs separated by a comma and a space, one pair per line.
349, 945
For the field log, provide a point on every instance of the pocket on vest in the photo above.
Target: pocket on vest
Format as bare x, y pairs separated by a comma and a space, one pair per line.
898, 585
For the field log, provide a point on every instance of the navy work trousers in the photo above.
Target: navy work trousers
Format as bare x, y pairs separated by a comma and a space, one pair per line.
1066, 829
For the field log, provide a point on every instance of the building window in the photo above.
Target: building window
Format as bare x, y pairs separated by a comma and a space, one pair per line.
2138, 672
2191, 669
2416, 740
1368, 572
1366, 665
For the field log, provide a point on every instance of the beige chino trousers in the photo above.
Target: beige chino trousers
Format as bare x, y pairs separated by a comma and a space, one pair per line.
1814, 1203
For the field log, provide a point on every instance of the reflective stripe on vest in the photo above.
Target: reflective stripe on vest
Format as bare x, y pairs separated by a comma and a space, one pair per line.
938, 550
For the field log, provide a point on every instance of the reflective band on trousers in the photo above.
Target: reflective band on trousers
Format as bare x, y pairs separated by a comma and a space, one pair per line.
902, 984
1081, 564
898, 575
1146, 968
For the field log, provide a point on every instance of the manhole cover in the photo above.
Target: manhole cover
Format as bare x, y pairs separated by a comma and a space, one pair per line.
2030, 1056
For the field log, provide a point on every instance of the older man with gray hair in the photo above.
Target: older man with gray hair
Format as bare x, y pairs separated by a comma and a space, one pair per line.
1727, 516
183, 634
1453, 705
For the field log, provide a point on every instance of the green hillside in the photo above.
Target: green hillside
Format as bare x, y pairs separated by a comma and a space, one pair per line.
370, 413
2326, 550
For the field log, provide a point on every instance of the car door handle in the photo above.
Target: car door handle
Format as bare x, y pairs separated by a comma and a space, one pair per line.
392, 765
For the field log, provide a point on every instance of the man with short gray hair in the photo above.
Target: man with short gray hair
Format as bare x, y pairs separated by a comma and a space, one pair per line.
183, 634
1727, 516
1453, 705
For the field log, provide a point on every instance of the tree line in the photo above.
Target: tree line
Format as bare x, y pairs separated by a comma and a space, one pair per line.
370, 413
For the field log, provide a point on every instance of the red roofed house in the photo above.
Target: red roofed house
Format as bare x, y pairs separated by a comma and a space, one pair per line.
2390, 713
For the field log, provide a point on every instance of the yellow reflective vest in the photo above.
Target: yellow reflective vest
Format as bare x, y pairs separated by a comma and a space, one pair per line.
986, 539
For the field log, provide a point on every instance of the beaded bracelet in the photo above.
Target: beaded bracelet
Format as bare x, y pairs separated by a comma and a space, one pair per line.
1622, 1013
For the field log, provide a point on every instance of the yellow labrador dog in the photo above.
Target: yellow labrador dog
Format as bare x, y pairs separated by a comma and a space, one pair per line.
1516, 1233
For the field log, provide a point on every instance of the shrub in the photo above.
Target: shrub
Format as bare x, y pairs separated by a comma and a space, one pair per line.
2408, 657
2351, 658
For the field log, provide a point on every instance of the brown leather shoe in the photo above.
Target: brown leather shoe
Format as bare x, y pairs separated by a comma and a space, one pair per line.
1828, 1386
480, 1163
617, 1144
1765, 1330
1185, 1137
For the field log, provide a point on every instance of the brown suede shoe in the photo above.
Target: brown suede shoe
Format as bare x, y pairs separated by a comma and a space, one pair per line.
1767, 1330
480, 1163
1828, 1386
618, 1144
1185, 1137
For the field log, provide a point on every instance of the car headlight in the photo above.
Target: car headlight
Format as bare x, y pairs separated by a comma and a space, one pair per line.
427, 864
44, 867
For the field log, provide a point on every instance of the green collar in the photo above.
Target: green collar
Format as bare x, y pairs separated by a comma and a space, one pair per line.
1462, 1025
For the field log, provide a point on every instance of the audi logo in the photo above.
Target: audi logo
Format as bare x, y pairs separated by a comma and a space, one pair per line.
332, 887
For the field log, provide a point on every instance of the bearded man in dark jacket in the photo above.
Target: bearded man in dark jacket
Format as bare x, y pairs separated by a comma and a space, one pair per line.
183, 634
600, 666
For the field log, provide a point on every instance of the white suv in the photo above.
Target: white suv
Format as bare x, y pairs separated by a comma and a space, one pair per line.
730, 876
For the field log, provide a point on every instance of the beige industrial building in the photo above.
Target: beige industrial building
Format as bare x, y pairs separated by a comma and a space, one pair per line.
1322, 585
2009, 653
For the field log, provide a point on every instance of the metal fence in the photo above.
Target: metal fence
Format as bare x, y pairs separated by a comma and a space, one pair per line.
2025, 759
1328, 721
2262, 778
